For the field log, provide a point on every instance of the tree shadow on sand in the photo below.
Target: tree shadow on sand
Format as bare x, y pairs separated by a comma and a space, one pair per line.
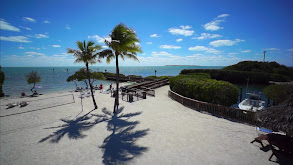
73, 128
120, 147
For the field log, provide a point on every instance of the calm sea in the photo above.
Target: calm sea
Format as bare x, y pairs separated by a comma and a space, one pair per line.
54, 81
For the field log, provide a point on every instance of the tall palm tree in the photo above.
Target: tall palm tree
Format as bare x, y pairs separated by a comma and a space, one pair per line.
86, 53
122, 44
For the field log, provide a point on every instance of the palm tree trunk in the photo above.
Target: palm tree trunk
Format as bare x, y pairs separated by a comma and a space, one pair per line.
88, 76
116, 104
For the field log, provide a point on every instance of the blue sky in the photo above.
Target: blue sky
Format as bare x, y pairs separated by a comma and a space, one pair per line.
174, 32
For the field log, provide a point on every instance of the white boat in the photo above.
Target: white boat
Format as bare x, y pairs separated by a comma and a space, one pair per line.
252, 103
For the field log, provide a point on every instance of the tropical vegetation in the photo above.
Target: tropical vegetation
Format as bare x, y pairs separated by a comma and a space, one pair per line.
123, 44
278, 93
2, 79
80, 75
201, 87
252, 71
86, 53
33, 78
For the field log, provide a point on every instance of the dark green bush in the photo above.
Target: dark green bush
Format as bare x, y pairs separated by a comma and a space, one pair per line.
135, 76
160, 77
278, 93
201, 87
112, 74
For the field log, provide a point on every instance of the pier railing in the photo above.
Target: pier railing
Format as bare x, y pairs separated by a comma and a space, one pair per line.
224, 111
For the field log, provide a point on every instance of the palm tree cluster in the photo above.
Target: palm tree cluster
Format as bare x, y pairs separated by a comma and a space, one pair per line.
123, 43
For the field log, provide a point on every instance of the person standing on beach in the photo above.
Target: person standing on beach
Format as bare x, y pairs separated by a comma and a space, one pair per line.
110, 86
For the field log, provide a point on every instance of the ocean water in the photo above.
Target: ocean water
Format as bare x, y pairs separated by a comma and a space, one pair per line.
55, 80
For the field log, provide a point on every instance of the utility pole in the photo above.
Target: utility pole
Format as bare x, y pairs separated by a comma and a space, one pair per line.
264, 55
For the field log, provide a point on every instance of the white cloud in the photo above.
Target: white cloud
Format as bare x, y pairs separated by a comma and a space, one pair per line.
219, 43
154, 35
61, 55
67, 27
15, 39
272, 49
169, 47
41, 36
232, 53
47, 22
7, 26
100, 39
27, 28
183, 30
20, 47
34, 54
34, 48
206, 36
164, 54
179, 40
56, 46
204, 49
149, 43
223, 15
290, 50
185, 27
215, 24
29, 19
245, 51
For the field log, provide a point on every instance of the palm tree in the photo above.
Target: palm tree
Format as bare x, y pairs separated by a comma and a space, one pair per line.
122, 44
86, 53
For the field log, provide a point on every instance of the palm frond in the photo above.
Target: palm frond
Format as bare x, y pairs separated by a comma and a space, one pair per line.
80, 45
105, 53
110, 58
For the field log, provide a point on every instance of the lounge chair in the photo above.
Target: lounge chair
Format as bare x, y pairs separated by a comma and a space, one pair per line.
11, 105
23, 104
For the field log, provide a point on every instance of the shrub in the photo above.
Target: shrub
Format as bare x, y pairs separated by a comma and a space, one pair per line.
160, 77
201, 87
278, 93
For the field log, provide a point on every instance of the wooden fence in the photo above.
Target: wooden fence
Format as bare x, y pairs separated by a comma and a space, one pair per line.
226, 112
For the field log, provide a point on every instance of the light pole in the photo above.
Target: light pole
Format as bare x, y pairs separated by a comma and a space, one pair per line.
264, 55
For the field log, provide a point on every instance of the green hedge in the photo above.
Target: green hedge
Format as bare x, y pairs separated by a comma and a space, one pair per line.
201, 87
234, 76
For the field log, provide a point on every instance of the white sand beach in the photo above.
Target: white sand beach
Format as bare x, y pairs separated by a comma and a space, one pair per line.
156, 130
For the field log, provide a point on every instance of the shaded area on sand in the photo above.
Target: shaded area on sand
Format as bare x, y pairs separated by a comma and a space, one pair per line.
73, 128
120, 146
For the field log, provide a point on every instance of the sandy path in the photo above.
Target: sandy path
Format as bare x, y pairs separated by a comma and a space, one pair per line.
156, 130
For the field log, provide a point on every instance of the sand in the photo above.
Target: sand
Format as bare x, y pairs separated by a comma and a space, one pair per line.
61, 128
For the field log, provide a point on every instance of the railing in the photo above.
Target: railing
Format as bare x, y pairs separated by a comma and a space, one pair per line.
226, 112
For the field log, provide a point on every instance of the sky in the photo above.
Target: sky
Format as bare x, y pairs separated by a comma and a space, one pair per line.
173, 32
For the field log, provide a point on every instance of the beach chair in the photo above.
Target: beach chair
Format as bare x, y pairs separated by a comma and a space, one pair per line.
23, 104
11, 105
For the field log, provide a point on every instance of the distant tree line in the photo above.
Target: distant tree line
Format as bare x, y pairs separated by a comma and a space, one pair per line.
255, 72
